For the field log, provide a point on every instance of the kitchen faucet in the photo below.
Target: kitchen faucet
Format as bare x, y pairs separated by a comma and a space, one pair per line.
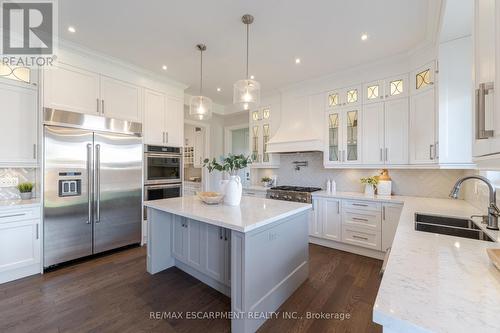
493, 210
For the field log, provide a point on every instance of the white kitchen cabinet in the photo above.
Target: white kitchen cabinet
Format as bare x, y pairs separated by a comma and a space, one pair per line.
71, 89
120, 100
350, 96
154, 117
18, 129
389, 88
315, 218
385, 132
343, 137
390, 220
330, 216
74, 89
174, 126
263, 124
163, 119
486, 77
423, 127
19, 242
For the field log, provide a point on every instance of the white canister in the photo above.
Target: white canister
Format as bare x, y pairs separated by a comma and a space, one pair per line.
384, 187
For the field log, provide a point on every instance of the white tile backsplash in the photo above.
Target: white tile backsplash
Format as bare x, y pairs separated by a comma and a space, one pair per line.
415, 182
23, 174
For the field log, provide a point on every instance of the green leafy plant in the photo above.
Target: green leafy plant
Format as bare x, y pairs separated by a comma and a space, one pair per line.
266, 179
370, 181
231, 163
25, 187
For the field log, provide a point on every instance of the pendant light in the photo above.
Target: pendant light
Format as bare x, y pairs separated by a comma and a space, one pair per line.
200, 107
246, 93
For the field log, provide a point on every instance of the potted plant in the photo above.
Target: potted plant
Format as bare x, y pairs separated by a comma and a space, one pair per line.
370, 184
25, 190
267, 181
232, 188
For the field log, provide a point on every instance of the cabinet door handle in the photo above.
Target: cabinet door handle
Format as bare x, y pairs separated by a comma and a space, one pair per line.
436, 150
166, 137
383, 213
359, 205
225, 234
220, 232
34, 151
97, 108
359, 237
37, 235
386, 154
102, 103
430, 152
359, 219
381, 158
481, 132
338, 207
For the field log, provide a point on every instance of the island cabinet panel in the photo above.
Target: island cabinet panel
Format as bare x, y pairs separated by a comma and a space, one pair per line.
279, 253
179, 238
215, 252
194, 246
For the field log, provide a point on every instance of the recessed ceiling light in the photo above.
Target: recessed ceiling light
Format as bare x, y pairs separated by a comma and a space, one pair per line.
252, 77
364, 37
71, 29
297, 60
219, 89
164, 67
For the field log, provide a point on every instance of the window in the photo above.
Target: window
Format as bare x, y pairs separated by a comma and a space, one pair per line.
423, 79
15, 73
352, 96
396, 87
372, 92
333, 99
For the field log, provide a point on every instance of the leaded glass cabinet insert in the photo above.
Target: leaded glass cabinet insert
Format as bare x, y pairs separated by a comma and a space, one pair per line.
352, 96
265, 138
372, 91
255, 144
352, 136
333, 99
396, 87
423, 79
333, 137
15, 73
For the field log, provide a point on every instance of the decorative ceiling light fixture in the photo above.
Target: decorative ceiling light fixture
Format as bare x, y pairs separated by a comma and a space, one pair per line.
247, 91
200, 107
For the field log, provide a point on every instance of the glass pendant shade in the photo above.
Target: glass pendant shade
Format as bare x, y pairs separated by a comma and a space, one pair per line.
247, 94
200, 108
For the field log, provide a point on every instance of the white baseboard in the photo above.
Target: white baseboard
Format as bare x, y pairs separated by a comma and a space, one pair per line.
347, 247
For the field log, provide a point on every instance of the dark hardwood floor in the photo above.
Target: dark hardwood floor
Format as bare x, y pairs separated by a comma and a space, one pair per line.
115, 294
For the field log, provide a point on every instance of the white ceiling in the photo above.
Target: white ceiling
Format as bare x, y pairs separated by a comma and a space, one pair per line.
325, 34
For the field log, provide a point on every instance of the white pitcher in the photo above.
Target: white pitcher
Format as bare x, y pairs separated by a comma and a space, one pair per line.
232, 191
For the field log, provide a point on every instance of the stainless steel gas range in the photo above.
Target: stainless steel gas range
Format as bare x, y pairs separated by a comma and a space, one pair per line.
292, 193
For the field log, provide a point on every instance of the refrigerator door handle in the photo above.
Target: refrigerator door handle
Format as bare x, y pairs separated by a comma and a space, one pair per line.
89, 182
98, 182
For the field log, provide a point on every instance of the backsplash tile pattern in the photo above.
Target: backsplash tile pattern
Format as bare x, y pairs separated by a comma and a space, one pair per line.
416, 182
24, 175
477, 193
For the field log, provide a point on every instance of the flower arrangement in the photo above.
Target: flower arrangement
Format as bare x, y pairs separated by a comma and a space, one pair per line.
267, 181
373, 181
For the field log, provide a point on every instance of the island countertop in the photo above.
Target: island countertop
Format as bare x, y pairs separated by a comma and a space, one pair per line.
252, 213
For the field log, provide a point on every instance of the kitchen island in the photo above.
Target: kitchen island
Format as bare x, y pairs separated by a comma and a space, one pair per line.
255, 253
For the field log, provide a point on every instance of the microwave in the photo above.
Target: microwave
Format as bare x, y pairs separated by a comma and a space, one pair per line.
162, 165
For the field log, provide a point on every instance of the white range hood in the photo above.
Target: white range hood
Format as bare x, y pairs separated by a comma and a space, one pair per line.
300, 129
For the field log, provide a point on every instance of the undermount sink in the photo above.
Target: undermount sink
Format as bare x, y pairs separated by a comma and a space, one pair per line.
449, 226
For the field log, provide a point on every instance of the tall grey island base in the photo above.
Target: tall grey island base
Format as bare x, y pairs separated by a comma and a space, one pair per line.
255, 253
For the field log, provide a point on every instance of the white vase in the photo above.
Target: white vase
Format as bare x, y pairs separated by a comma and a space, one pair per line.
369, 189
233, 191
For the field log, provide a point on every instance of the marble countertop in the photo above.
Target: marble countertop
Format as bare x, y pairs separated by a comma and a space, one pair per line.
251, 214
19, 202
438, 283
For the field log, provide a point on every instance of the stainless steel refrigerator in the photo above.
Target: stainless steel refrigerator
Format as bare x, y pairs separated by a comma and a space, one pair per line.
92, 185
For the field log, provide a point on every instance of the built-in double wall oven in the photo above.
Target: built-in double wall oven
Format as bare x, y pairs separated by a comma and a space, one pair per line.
162, 172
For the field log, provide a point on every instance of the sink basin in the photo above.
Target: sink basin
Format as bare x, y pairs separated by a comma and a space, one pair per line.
449, 226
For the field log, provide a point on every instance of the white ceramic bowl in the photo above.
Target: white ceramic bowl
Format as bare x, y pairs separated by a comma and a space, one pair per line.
210, 198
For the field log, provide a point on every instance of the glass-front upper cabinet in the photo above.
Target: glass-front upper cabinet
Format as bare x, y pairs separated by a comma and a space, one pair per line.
255, 144
350, 96
343, 137
389, 88
423, 78
15, 73
261, 130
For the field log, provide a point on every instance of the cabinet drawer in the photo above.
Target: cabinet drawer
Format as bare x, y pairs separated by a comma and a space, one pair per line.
19, 214
362, 237
368, 219
361, 205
